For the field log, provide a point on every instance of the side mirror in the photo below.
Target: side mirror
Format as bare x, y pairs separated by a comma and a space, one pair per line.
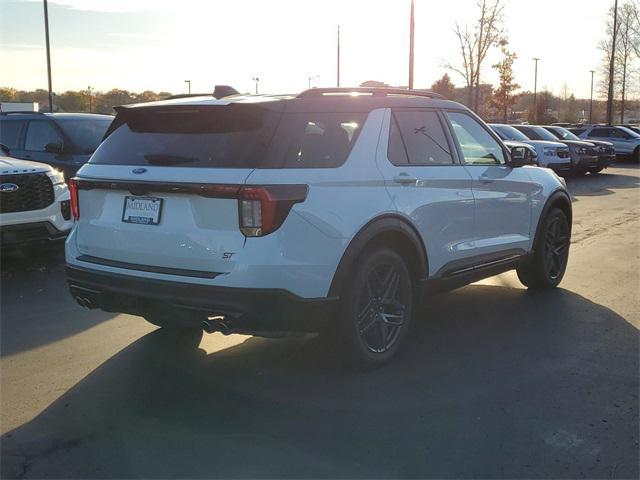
520, 156
54, 147
5, 149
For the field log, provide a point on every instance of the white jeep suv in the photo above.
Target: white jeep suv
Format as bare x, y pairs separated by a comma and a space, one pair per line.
34, 203
331, 211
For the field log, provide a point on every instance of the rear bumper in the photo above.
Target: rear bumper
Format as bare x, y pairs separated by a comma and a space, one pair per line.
244, 309
25, 233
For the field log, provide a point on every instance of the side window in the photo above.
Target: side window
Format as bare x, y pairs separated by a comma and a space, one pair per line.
423, 136
396, 153
317, 140
10, 132
578, 131
619, 134
600, 133
39, 134
477, 145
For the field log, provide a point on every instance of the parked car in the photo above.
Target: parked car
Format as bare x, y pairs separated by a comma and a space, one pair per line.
551, 154
632, 127
34, 203
62, 140
606, 151
584, 156
332, 211
625, 141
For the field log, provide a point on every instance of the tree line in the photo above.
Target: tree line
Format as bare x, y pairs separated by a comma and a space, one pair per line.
487, 33
81, 100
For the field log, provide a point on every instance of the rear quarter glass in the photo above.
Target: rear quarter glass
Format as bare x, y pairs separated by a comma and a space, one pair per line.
232, 136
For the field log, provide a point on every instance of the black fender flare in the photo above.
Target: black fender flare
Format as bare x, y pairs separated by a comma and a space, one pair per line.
385, 224
560, 198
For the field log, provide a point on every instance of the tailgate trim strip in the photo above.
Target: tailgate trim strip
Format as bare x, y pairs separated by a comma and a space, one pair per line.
148, 268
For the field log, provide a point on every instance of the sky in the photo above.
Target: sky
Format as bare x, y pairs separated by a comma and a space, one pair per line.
156, 44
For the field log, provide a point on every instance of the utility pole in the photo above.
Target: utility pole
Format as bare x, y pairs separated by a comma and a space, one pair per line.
612, 61
535, 91
591, 101
338, 59
256, 79
46, 33
188, 82
89, 90
411, 36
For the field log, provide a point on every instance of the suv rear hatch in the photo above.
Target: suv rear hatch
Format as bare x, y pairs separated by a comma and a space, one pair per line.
167, 191
160, 194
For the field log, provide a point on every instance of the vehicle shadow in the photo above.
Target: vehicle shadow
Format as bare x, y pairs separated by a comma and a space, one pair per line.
496, 383
36, 306
603, 184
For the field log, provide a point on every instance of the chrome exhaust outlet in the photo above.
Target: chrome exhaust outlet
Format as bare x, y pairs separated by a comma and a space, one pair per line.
84, 302
212, 325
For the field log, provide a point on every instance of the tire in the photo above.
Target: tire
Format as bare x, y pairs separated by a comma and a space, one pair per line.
595, 170
549, 263
376, 309
636, 155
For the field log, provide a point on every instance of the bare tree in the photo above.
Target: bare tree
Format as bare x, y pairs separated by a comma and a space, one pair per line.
618, 69
475, 43
626, 52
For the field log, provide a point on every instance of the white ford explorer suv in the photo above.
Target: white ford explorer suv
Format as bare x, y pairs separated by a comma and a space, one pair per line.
331, 211
34, 203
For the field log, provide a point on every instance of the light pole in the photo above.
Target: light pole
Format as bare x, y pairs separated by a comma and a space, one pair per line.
591, 101
338, 59
312, 78
535, 91
188, 82
257, 80
612, 62
89, 90
411, 36
46, 33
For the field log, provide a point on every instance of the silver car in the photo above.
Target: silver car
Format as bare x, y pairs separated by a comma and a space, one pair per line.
626, 142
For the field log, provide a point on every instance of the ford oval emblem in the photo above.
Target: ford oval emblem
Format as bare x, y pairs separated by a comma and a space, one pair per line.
139, 170
8, 187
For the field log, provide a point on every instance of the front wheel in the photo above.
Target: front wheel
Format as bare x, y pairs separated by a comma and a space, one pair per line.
376, 310
549, 263
595, 170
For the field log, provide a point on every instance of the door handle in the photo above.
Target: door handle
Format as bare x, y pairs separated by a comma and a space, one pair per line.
405, 179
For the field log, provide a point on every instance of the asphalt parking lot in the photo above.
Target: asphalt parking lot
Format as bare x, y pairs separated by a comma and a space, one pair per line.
495, 383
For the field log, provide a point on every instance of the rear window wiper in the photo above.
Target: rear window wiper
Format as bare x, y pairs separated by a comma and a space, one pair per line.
163, 159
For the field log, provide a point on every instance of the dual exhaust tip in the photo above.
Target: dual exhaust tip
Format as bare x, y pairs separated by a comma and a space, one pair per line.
210, 325
85, 302
216, 324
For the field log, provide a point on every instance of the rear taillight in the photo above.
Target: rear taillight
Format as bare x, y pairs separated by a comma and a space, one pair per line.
262, 209
73, 192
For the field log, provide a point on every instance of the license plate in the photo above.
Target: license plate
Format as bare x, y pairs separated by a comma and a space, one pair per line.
142, 210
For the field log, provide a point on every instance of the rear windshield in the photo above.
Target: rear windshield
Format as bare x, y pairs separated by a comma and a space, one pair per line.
233, 136
85, 133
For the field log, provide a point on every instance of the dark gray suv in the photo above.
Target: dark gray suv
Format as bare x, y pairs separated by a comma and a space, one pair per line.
63, 140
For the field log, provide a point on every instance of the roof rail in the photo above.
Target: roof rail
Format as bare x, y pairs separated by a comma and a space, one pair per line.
22, 112
374, 91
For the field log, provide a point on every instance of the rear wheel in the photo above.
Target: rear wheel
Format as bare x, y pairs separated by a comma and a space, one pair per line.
595, 170
636, 154
549, 262
376, 310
